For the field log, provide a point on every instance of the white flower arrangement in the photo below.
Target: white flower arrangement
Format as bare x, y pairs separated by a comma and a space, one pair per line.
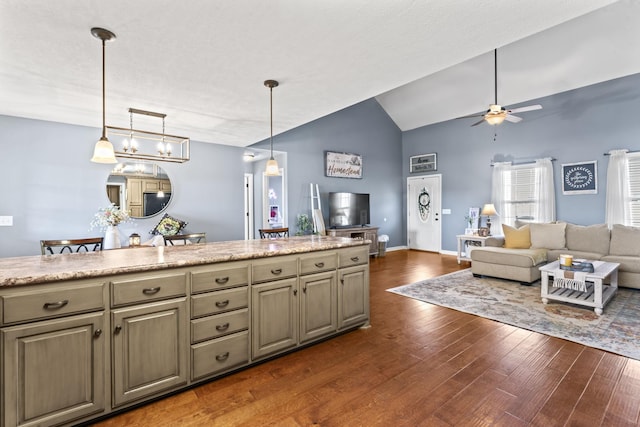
109, 216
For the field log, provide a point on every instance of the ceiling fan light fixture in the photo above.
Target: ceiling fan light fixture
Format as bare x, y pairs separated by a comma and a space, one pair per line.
495, 119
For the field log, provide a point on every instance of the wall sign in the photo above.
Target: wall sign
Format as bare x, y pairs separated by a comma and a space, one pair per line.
423, 163
580, 178
343, 165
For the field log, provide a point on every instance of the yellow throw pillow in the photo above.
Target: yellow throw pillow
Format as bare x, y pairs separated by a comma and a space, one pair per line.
516, 238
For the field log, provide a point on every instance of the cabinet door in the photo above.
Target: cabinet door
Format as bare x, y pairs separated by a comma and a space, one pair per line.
134, 188
54, 371
275, 317
165, 185
150, 349
353, 296
318, 305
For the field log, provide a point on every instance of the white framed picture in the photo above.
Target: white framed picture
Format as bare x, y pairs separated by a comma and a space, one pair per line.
423, 163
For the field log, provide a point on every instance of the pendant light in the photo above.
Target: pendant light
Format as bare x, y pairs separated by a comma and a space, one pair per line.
103, 151
272, 164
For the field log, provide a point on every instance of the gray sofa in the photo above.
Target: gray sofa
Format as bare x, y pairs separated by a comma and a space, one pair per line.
501, 259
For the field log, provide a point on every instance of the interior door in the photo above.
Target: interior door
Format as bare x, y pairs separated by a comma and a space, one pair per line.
424, 225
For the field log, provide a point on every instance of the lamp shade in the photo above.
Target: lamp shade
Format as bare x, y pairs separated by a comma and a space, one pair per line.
272, 168
495, 119
103, 152
489, 210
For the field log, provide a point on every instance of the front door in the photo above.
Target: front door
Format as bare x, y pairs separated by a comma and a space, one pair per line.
424, 225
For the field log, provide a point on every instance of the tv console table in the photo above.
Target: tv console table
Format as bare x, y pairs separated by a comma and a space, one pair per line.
363, 232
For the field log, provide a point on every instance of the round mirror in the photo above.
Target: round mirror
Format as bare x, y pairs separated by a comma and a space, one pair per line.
142, 189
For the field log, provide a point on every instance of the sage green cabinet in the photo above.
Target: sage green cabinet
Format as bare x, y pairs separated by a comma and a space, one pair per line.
150, 349
53, 371
353, 296
274, 325
318, 306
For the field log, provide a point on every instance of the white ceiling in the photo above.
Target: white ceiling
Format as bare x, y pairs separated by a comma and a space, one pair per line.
203, 62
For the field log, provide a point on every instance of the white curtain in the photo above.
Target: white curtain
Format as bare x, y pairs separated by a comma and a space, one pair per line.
545, 191
497, 193
617, 208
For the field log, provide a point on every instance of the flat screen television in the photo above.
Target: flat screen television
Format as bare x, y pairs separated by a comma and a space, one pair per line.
348, 209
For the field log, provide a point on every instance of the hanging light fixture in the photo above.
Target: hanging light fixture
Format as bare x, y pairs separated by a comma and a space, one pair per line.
272, 164
103, 151
148, 145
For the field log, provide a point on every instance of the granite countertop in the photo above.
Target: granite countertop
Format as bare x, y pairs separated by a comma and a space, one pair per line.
52, 268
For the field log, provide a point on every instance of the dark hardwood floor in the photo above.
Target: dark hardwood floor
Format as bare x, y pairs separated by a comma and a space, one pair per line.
417, 365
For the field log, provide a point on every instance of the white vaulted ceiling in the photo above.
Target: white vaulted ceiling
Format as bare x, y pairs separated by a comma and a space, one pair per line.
203, 62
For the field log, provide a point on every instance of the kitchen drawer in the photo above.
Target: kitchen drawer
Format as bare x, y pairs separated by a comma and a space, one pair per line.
219, 355
275, 269
52, 301
353, 256
148, 288
216, 326
222, 277
219, 301
318, 262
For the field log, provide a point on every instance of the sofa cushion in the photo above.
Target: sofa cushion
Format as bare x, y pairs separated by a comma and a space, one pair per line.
625, 240
516, 238
592, 238
548, 236
630, 264
515, 257
554, 254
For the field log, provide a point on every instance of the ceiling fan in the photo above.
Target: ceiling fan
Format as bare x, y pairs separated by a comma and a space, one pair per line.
496, 113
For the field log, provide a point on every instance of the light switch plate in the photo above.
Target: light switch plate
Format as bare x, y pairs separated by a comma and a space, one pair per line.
6, 221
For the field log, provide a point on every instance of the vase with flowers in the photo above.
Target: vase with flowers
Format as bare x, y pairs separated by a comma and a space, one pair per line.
107, 219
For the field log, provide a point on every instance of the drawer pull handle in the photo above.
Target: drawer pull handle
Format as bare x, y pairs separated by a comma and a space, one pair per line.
223, 327
276, 271
221, 304
222, 357
55, 305
97, 333
319, 264
222, 280
151, 291
355, 258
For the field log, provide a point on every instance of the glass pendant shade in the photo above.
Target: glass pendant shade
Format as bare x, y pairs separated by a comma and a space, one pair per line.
495, 119
103, 152
272, 168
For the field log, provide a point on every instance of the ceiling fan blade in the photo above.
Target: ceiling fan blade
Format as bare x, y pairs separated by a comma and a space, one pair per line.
528, 108
513, 119
477, 123
471, 115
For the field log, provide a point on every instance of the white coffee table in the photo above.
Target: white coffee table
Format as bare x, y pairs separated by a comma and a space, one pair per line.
597, 295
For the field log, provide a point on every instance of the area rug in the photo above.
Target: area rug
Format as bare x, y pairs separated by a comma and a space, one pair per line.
617, 330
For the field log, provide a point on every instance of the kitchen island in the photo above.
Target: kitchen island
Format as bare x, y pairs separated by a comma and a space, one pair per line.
84, 335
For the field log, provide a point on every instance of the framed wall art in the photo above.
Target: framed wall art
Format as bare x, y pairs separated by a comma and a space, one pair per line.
580, 178
343, 165
423, 163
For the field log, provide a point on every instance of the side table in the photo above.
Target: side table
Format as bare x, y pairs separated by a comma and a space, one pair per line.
472, 240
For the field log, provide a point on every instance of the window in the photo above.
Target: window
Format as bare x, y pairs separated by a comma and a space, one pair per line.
519, 194
524, 192
634, 188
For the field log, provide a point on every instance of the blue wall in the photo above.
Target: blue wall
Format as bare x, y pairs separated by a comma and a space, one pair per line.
573, 126
52, 190
364, 129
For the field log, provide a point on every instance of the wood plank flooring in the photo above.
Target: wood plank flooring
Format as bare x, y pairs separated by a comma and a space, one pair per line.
418, 365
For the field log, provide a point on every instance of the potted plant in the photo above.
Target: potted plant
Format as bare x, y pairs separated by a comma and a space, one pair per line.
304, 225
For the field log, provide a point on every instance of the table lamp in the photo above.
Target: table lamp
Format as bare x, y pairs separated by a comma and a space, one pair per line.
488, 210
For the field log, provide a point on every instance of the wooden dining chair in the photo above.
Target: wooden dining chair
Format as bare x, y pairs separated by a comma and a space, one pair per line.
185, 239
274, 233
51, 247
